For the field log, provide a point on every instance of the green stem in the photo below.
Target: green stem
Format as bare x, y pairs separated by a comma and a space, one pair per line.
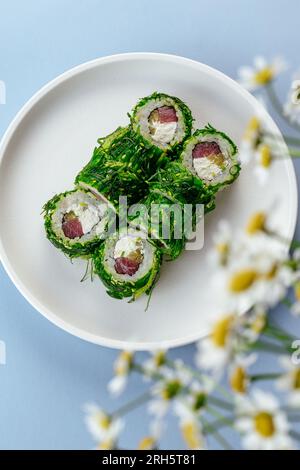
220, 403
141, 370
211, 429
288, 138
281, 238
294, 153
279, 332
219, 423
291, 140
268, 347
280, 337
271, 376
287, 302
278, 106
141, 400
216, 413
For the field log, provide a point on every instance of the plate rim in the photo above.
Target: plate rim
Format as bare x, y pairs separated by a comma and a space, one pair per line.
24, 111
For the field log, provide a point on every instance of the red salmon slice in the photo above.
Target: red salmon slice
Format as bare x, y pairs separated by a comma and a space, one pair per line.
126, 266
72, 228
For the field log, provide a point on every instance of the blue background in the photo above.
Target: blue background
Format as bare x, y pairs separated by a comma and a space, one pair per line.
50, 374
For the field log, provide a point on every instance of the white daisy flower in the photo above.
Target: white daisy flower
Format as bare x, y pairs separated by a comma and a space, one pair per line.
295, 308
150, 442
255, 133
238, 373
216, 350
192, 435
256, 223
257, 276
167, 389
122, 367
154, 363
252, 138
271, 149
263, 158
261, 73
104, 429
189, 406
261, 422
222, 240
253, 323
292, 106
290, 381
260, 146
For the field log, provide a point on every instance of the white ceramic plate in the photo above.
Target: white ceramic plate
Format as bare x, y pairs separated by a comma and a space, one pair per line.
53, 136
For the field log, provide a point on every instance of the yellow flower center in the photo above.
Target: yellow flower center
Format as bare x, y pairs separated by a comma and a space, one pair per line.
190, 434
252, 130
223, 251
238, 380
147, 443
256, 223
296, 381
242, 280
221, 331
222, 248
265, 157
264, 424
269, 275
297, 290
258, 324
159, 358
263, 76
104, 421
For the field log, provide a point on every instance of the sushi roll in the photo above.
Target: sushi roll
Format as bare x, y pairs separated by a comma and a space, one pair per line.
110, 178
212, 157
178, 183
162, 121
162, 220
76, 222
128, 264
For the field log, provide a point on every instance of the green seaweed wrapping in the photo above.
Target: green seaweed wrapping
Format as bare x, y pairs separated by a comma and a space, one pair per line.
121, 285
178, 183
54, 212
212, 157
136, 154
111, 178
